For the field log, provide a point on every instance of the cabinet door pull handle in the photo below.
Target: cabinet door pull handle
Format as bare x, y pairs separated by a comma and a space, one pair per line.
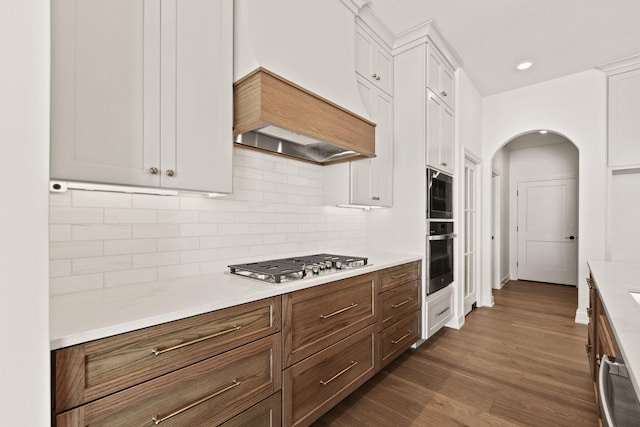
397, 276
342, 310
339, 373
443, 163
156, 351
443, 312
375, 197
158, 419
443, 93
376, 77
402, 303
153, 170
394, 342
170, 172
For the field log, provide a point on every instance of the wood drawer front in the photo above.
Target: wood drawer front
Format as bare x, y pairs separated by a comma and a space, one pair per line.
267, 413
396, 303
394, 276
92, 370
439, 310
343, 367
318, 317
397, 338
255, 367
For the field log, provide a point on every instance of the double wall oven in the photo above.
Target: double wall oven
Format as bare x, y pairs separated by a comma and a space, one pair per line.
440, 237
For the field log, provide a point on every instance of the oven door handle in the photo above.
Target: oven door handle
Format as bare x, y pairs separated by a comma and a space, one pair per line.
442, 236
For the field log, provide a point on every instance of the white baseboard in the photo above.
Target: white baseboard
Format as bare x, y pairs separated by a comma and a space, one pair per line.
455, 322
581, 316
488, 301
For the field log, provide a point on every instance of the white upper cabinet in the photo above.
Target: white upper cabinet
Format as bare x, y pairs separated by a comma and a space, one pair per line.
440, 76
624, 119
141, 97
373, 61
440, 143
372, 179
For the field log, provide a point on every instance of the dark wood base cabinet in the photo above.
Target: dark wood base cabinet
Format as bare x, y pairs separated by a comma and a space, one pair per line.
284, 360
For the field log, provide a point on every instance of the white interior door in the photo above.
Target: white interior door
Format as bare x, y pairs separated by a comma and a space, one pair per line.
547, 231
470, 244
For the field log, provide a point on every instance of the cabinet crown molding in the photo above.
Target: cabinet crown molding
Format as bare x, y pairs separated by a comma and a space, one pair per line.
354, 5
428, 32
621, 65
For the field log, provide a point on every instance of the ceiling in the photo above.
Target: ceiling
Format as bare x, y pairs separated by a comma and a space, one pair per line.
560, 37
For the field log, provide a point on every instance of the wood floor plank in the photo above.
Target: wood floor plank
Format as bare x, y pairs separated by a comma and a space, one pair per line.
519, 363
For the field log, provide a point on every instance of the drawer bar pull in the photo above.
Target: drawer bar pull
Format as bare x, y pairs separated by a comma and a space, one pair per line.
158, 419
402, 303
342, 310
339, 373
158, 352
443, 312
397, 276
394, 342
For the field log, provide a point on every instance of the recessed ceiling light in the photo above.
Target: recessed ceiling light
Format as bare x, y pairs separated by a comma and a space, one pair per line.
544, 131
524, 65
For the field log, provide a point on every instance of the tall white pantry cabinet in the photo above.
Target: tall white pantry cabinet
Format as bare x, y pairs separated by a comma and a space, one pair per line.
142, 93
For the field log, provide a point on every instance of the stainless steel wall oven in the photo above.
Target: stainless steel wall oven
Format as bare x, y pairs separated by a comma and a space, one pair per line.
439, 255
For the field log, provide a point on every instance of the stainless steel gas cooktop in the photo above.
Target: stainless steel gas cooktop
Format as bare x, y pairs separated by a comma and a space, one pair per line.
295, 268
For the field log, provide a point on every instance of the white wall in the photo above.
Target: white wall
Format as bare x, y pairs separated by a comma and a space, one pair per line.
500, 165
101, 239
24, 133
539, 162
573, 106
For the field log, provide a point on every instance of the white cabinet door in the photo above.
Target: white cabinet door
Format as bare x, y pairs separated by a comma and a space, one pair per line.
197, 95
104, 121
373, 61
372, 179
440, 134
624, 119
140, 97
440, 77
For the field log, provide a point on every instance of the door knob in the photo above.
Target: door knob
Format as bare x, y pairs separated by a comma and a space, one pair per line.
570, 237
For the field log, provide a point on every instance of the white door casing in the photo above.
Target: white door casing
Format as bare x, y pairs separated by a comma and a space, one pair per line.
470, 241
547, 231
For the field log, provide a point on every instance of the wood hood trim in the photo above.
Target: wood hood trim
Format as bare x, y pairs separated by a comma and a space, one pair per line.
262, 98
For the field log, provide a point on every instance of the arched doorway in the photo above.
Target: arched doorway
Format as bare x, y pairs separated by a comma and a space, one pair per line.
535, 176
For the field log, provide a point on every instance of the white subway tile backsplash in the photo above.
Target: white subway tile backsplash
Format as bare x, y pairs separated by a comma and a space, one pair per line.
183, 270
217, 241
100, 199
60, 268
178, 244
192, 230
129, 246
156, 259
72, 215
142, 231
201, 255
130, 216
59, 233
101, 239
75, 249
150, 201
77, 283
178, 217
128, 277
100, 231
100, 264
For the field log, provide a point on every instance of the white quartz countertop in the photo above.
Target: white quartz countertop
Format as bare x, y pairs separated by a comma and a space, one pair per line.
615, 282
90, 315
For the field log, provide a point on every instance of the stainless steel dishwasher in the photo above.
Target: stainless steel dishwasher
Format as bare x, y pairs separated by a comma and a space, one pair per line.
618, 399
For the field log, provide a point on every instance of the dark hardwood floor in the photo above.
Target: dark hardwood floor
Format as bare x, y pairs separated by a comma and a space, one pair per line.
520, 363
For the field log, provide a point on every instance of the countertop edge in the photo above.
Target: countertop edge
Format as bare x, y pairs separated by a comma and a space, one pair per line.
87, 316
614, 281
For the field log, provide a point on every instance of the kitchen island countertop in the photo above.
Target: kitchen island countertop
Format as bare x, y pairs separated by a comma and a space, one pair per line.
85, 316
615, 281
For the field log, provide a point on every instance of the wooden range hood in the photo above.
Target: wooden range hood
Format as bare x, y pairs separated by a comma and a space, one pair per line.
275, 115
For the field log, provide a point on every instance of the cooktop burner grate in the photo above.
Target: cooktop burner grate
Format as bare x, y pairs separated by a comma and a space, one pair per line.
287, 269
